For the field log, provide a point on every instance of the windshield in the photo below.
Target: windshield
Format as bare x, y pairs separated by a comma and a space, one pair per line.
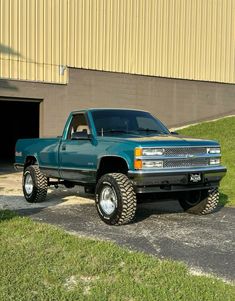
127, 122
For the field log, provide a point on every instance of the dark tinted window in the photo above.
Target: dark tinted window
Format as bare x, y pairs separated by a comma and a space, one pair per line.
118, 122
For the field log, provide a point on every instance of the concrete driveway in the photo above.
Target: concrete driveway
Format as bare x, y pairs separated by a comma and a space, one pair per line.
205, 243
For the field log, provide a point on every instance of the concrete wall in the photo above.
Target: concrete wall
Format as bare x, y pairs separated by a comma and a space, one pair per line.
176, 102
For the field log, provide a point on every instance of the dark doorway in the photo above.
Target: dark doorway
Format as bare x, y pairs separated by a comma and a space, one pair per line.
18, 119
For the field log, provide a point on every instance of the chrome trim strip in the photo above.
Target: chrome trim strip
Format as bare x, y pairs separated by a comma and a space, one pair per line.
67, 169
178, 170
181, 146
77, 169
162, 157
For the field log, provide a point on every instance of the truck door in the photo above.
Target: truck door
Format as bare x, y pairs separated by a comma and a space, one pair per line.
77, 152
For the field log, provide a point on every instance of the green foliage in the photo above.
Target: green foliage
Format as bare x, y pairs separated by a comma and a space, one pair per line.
41, 262
223, 131
6, 214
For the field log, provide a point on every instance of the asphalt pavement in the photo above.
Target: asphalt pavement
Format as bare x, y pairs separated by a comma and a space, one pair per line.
205, 243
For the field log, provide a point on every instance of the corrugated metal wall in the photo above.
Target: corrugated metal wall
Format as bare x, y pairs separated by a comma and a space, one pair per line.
191, 39
32, 39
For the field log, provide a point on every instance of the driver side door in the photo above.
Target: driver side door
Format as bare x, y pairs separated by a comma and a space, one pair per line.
77, 155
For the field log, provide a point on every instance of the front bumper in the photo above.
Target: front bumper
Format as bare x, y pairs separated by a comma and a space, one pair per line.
168, 180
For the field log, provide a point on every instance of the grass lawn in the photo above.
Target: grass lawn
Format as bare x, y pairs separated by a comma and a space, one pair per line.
222, 130
42, 262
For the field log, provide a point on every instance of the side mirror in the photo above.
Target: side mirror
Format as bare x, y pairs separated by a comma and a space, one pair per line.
174, 133
80, 136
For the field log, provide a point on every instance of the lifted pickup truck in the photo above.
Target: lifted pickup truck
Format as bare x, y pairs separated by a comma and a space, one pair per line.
122, 155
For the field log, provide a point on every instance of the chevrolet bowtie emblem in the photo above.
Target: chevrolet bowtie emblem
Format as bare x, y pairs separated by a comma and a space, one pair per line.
190, 156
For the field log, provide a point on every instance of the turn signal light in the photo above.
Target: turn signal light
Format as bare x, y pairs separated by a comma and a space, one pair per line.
138, 152
138, 164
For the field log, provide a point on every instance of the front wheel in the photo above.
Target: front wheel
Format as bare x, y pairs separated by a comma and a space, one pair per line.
34, 185
115, 199
200, 202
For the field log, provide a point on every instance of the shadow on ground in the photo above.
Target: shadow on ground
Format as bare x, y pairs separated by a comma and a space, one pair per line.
74, 198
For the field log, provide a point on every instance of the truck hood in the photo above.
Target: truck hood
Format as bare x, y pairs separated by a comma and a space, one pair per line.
163, 140
173, 140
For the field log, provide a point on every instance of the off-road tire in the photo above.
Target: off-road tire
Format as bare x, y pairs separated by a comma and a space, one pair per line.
125, 208
207, 202
39, 180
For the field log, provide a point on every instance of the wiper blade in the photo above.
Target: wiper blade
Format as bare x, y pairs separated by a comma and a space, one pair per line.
114, 131
148, 130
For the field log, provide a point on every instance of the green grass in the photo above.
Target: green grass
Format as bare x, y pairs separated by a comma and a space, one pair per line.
222, 130
41, 262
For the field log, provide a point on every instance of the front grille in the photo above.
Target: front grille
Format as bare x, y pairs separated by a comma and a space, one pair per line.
182, 151
194, 162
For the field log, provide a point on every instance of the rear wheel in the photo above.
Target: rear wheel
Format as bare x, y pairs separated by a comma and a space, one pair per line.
200, 202
115, 199
34, 185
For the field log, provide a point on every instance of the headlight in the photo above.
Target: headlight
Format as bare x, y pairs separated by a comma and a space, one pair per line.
213, 150
142, 163
152, 164
153, 151
215, 161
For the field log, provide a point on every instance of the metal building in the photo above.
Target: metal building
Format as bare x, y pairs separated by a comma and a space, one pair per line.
175, 58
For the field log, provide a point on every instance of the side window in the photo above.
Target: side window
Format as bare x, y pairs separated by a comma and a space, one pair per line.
78, 124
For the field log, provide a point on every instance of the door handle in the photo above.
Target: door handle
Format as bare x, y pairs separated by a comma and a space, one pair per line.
63, 147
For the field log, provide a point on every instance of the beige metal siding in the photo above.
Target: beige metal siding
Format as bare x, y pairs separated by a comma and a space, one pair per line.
191, 39
32, 39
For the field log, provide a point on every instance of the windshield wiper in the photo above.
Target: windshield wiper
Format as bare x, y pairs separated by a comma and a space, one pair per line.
113, 131
128, 132
148, 130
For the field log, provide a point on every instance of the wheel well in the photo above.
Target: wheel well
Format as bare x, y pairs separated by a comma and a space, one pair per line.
112, 164
30, 160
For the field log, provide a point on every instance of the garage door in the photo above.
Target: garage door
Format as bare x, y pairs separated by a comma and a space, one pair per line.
19, 118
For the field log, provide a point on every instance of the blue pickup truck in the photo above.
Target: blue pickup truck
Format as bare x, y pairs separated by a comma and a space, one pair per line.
122, 156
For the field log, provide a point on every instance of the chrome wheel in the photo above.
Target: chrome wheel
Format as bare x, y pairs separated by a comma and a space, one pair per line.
108, 200
115, 199
28, 184
34, 184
